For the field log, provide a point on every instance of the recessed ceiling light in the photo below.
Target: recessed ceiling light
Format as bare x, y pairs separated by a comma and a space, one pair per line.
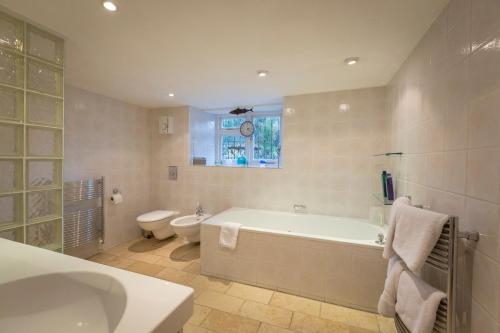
351, 61
110, 5
171, 94
344, 107
262, 73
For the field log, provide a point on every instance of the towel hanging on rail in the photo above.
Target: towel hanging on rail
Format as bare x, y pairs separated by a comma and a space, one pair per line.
417, 303
414, 233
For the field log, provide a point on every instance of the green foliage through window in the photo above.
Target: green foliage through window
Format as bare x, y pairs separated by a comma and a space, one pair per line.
266, 138
232, 147
232, 123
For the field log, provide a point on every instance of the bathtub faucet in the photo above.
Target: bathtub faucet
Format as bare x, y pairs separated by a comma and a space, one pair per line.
199, 210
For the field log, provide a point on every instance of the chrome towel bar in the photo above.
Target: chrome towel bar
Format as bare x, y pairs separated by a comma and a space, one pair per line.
443, 260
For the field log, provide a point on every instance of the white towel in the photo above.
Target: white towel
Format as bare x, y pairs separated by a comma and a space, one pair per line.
388, 250
387, 301
417, 303
229, 235
413, 233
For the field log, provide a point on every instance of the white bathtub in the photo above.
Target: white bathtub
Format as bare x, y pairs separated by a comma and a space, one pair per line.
331, 259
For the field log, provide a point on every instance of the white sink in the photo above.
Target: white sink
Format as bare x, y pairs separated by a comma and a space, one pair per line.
44, 291
75, 301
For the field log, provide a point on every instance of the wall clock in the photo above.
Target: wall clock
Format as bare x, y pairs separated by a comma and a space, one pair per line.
247, 128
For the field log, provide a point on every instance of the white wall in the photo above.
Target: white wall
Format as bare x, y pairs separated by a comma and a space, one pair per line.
105, 137
445, 110
202, 134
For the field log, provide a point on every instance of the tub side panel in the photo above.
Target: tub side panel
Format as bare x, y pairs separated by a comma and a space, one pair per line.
340, 273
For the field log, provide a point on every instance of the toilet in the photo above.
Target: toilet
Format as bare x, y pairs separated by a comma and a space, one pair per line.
158, 222
189, 226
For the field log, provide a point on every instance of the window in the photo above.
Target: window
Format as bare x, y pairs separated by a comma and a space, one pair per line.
266, 138
263, 148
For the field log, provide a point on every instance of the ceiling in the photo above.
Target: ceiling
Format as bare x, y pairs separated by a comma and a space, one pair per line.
208, 51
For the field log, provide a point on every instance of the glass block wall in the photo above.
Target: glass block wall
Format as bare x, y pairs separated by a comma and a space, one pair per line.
31, 134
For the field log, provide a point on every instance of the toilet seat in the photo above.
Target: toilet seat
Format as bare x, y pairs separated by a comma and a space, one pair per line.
156, 215
187, 223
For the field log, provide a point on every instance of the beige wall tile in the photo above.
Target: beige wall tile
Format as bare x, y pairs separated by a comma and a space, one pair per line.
483, 174
211, 186
484, 122
459, 97
266, 313
106, 137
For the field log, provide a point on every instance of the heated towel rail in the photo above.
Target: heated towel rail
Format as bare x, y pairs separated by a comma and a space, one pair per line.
443, 258
83, 216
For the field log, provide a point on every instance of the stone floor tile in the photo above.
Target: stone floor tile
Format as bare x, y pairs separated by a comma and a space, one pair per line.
144, 268
176, 276
296, 303
267, 313
200, 312
266, 328
349, 316
219, 301
303, 323
206, 282
386, 325
193, 267
224, 322
250, 292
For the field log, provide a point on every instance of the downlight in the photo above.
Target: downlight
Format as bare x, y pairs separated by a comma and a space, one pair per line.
110, 5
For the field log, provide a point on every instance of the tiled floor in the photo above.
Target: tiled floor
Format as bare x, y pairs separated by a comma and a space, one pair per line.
229, 307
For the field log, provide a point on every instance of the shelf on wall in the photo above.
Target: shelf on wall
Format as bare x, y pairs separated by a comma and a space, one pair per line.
382, 200
389, 154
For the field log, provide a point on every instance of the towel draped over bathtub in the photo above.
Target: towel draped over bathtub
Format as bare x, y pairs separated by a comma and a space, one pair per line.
228, 237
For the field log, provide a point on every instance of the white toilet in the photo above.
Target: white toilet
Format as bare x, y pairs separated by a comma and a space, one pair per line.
158, 222
189, 226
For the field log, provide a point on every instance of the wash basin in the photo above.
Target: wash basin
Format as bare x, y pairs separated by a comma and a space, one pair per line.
45, 291
74, 301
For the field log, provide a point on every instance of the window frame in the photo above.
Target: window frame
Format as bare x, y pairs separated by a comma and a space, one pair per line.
249, 142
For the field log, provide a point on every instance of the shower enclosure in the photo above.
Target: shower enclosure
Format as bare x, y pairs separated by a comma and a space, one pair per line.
31, 134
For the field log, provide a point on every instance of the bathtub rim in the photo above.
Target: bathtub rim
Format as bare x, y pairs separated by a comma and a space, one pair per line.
362, 243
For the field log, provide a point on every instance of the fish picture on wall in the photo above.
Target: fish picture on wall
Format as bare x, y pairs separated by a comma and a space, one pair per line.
239, 111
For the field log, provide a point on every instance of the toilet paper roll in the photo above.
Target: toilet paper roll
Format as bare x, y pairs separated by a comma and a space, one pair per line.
116, 198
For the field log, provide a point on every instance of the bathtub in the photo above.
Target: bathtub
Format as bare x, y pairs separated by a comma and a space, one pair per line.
332, 259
